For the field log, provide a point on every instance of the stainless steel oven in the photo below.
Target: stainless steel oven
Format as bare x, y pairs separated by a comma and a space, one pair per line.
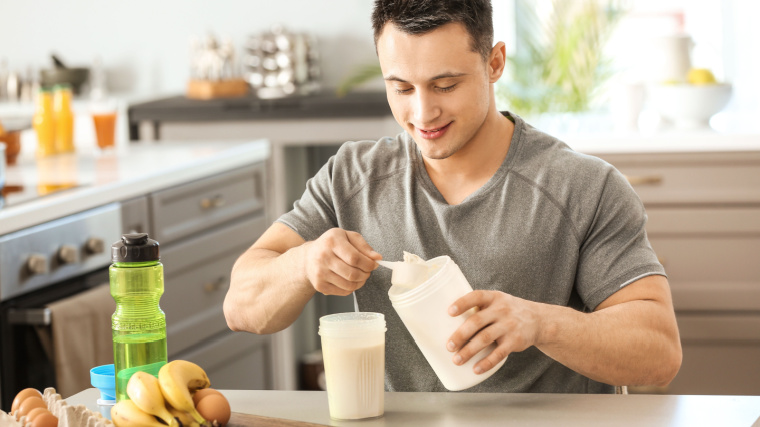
40, 265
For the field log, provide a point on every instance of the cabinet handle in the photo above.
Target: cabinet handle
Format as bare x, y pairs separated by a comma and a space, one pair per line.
212, 202
215, 285
644, 179
30, 316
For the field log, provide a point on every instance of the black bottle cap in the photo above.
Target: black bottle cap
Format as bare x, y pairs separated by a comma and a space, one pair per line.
136, 247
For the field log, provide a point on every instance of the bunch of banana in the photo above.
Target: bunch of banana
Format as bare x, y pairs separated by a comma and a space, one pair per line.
178, 380
163, 401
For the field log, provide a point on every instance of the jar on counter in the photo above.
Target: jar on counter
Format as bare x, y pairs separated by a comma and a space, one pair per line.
424, 311
44, 123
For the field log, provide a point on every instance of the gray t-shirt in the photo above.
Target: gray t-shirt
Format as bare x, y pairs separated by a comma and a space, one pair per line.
551, 225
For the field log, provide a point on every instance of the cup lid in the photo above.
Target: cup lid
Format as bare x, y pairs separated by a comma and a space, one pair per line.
351, 323
102, 378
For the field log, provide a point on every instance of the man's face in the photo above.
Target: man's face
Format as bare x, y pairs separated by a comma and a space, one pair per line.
437, 87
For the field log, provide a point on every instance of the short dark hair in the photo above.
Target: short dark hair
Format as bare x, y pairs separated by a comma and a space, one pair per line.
422, 16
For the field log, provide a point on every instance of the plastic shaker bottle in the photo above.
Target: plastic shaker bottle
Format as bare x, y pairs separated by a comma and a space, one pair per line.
138, 324
424, 311
353, 349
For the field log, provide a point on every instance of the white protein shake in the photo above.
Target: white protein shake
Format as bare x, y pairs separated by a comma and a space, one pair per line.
355, 380
353, 349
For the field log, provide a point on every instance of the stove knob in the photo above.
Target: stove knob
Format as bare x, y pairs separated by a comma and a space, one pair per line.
67, 254
94, 246
36, 264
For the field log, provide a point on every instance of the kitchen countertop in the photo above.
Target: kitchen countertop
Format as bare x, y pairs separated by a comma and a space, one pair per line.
99, 178
499, 409
666, 141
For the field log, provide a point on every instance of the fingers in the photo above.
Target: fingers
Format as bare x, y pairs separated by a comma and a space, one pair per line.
481, 340
359, 243
329, 283
473, 299
494, 358
476, 331
489, 325
353, 256
339, 262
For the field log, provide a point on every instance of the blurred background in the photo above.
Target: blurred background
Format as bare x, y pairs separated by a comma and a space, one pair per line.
145, 48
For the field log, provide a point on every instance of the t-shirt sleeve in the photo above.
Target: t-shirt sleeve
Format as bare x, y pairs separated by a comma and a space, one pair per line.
615, 251
314, 212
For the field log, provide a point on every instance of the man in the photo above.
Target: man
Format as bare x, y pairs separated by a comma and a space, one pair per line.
552, 241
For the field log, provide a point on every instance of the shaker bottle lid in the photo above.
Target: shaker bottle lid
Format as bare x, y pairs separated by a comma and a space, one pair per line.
134, 247
351, 324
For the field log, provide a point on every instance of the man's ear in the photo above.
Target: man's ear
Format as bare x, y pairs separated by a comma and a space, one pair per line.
497, 61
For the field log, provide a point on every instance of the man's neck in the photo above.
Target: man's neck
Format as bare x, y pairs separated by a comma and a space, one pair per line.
463, 173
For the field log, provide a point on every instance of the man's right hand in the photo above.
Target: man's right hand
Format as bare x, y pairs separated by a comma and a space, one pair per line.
339, 262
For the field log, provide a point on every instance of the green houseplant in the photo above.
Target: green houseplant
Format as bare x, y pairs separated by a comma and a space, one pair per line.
559, 65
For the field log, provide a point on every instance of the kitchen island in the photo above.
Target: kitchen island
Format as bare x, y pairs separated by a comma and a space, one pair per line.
497, 409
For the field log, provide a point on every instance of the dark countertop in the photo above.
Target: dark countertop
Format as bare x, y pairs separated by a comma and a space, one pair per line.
325, 104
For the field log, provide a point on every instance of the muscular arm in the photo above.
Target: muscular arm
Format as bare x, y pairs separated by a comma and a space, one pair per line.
268, 285
273, 280
630, 339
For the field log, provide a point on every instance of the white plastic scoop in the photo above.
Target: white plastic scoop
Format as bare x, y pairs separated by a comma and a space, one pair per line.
406, 274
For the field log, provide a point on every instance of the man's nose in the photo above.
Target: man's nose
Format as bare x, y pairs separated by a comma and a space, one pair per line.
426, 108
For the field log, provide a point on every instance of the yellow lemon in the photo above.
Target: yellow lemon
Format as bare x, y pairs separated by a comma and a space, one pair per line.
701, 76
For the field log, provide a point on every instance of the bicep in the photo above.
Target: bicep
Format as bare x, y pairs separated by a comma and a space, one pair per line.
649, 288
278, 238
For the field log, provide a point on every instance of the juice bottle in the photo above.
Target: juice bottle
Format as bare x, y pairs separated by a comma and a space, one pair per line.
64, 119
138, 324
44, 123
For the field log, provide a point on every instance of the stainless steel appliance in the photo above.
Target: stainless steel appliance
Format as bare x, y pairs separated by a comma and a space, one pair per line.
40, 265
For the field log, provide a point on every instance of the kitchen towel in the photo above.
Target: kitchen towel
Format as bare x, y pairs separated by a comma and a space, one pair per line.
81, 329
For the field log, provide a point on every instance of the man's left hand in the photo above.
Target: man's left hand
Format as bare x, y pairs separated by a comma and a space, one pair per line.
512, 323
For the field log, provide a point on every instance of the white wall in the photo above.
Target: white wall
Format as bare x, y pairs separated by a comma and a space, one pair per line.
144, 43
741, 55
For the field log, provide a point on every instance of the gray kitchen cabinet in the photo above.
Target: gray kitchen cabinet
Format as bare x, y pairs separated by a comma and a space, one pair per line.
202, 227
704, 224
197, 275
181, 211
235, 361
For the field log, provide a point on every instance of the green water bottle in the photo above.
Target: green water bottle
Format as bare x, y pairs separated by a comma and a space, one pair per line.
138, 324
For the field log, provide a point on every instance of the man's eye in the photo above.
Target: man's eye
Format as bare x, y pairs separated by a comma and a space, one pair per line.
448, 88
402, 91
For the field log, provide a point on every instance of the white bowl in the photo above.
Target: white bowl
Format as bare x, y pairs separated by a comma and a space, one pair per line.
689, 106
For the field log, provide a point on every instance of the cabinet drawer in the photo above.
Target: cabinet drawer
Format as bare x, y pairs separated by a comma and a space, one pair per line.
708, 258
729, 369
719, 328
720, 354
197, 275
180, 211
710, 255
692, 178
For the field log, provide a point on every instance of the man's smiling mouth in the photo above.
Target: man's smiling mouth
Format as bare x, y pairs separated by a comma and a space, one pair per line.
433, 133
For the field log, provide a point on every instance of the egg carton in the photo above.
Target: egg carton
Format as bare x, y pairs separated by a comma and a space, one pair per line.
68, 416
72, 416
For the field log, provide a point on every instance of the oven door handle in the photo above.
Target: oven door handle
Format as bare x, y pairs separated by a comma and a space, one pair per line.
29, 316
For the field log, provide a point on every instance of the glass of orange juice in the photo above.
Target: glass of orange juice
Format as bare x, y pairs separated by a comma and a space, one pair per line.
104, 119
